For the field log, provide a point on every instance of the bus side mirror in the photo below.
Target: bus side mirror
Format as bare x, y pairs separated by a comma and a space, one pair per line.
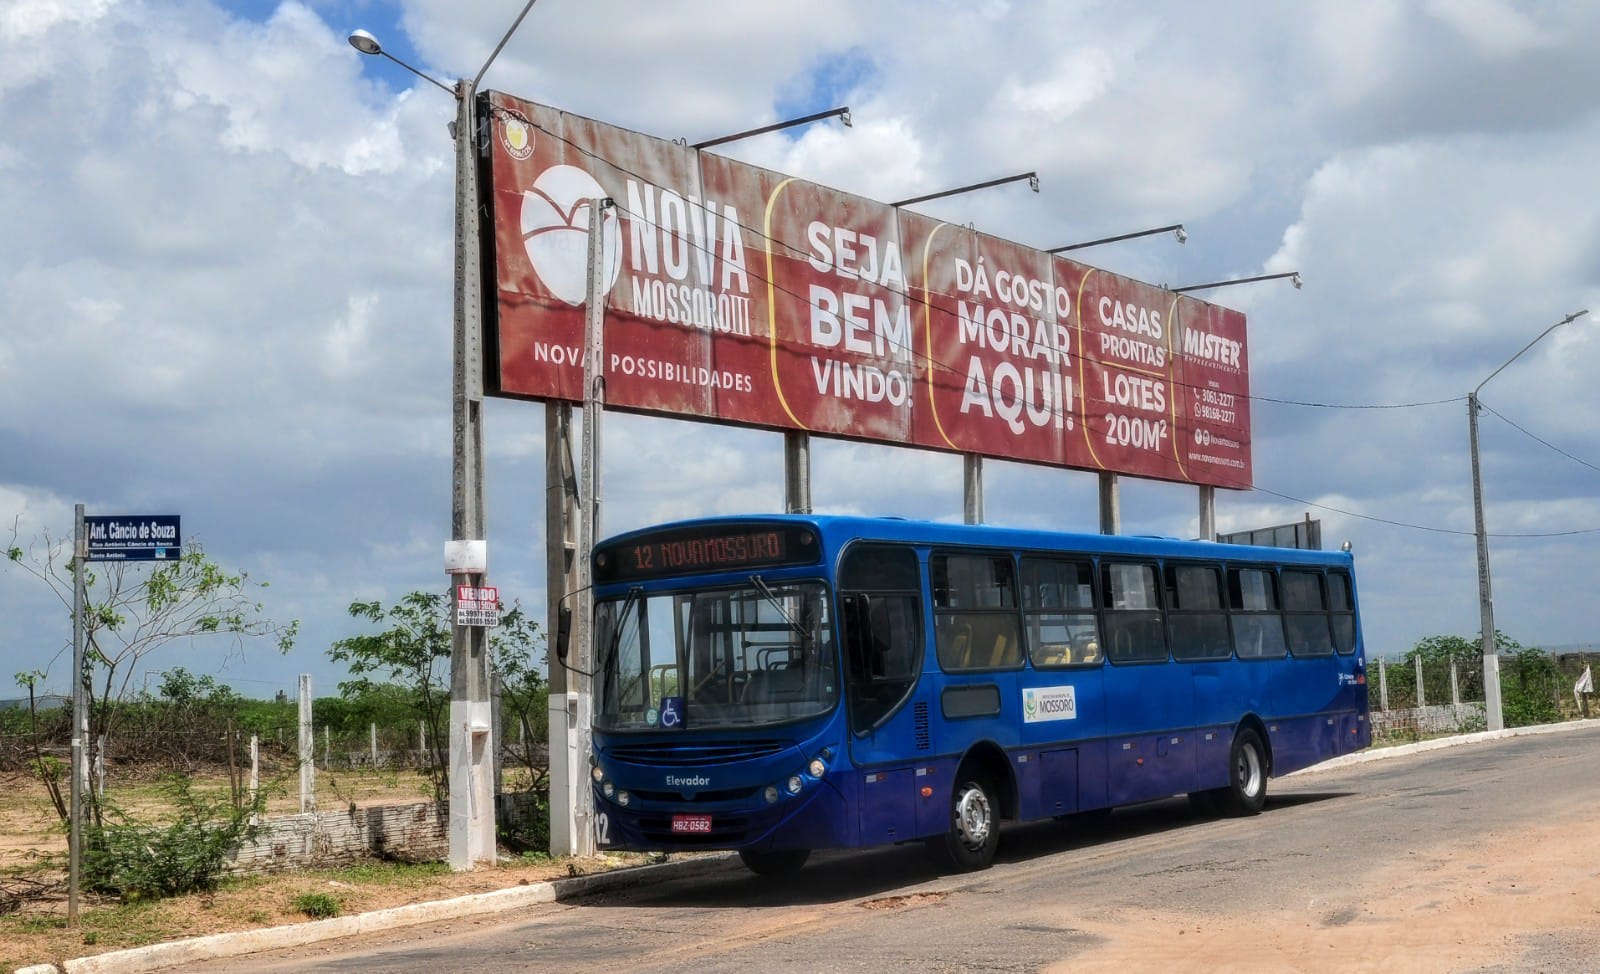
856, 616
563, 632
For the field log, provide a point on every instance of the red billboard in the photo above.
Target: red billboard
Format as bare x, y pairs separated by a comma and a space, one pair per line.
745, 296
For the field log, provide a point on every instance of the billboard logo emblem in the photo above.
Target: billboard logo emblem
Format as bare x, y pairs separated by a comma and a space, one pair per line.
555, 232
517, 138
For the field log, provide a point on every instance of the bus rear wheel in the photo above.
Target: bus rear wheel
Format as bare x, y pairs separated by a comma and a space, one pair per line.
974, 834
1247, 776
779, 863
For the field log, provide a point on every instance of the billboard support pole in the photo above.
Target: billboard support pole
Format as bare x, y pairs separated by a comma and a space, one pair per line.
1110, 504
796, 472
1208, 512
972, 488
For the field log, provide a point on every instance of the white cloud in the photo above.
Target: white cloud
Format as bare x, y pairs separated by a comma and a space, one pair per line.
226, 277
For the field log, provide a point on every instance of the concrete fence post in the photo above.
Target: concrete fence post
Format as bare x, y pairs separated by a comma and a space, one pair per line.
1422, 700
1383, 685
255, 766
372, 732
308, 766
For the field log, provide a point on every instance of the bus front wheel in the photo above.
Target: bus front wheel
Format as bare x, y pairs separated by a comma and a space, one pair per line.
974, 833
779, 863
1247, 776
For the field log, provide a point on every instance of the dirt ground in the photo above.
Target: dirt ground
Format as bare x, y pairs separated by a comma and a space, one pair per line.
1445, 909
30, 833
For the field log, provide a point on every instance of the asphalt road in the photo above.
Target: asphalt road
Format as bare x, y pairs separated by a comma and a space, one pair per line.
1335, 858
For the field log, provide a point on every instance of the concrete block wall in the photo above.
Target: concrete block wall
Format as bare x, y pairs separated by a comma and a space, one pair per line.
412, 832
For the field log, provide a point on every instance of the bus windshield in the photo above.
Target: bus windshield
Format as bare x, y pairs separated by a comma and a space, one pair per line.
743, 656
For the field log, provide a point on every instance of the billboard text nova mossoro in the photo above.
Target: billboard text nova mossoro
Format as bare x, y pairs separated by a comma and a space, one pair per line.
740, 295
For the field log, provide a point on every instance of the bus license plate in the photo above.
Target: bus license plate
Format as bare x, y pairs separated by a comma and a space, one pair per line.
692, 824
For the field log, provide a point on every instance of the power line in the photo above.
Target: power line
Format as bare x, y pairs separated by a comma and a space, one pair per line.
1422, 527
1343, 405
1536, 439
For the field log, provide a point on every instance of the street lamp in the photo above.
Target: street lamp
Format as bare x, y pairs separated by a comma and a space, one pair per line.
1176, 229
842, 114
472, 734
1293, 276
1491, 657
1031, 177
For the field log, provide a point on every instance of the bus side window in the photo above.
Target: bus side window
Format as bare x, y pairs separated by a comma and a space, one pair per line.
1342, 613
1134, 630
1257, 619
1306, 613
1195, 621
1058, 606
977, 625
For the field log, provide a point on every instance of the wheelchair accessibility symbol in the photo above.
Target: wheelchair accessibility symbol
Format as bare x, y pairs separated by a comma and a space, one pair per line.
671, 711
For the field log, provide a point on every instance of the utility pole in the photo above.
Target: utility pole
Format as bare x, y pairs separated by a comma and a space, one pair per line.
472, 819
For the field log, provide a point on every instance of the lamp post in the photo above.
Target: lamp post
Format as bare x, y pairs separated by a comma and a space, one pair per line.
1491, 657
472, 731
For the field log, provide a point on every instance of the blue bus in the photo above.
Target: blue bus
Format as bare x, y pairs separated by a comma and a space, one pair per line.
782, 683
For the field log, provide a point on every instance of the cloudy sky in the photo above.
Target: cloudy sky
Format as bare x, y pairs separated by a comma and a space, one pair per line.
225, 272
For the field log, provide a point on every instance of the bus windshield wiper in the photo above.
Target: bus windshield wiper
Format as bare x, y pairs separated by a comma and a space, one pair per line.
602, 665
767, 593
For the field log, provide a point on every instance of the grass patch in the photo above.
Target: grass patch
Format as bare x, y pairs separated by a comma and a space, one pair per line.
317, 906
381, 873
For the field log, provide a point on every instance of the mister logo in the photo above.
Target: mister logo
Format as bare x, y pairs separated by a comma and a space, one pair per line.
555, 231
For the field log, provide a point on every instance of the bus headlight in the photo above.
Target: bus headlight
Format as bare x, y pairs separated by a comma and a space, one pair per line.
597, 774
817, 768
794, 784
623, 799
771, 794
608, 789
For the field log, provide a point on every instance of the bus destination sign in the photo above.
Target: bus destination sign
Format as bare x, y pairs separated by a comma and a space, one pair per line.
690, 551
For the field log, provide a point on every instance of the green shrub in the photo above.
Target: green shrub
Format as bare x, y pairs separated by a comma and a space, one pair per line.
136, 860
317, 906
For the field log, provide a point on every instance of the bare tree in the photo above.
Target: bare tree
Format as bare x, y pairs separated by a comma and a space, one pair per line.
134, 610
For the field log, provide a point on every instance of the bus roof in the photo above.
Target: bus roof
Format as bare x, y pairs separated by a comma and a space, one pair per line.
836, 530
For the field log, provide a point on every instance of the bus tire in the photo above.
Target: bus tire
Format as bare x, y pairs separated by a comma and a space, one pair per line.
1247, 776
782, 862
974, 833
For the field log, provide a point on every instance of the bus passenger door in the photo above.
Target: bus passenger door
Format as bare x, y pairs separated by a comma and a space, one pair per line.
888, 715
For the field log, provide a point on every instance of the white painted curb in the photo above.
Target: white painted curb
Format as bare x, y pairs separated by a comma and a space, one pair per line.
1384, 753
